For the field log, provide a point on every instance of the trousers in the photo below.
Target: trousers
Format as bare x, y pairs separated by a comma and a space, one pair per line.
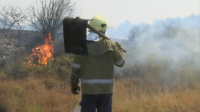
99, 102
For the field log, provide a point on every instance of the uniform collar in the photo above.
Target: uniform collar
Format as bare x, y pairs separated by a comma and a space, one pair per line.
93, 37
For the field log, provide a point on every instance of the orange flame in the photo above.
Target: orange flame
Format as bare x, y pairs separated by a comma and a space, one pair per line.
43, 52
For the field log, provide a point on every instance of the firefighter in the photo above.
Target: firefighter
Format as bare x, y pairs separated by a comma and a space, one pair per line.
96, 70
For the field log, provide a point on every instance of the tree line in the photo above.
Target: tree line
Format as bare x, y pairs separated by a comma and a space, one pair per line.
44, 16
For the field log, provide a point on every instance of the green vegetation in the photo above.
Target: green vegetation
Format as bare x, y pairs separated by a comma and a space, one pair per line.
57, 68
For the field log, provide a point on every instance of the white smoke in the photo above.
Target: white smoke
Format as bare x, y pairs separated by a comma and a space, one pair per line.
168, 47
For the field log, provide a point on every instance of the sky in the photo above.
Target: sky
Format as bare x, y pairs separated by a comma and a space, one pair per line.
118, 11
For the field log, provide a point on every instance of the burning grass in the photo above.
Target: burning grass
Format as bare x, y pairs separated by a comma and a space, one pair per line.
42, 53
57, 68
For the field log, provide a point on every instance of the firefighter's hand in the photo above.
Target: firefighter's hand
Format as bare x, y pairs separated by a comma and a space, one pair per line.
119, 46
75, 89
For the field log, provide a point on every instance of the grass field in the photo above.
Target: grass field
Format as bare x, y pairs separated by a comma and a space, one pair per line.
45, 88
131, 95
36, 95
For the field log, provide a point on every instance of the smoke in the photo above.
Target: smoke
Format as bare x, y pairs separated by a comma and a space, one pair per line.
167, 50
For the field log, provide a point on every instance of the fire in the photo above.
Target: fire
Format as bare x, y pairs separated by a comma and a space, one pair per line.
42, 53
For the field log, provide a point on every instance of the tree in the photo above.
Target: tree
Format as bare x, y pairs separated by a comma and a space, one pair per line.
137, 30
169, 30
46, 16
11, 18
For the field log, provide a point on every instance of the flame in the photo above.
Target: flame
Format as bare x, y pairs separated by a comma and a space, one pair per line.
43, 52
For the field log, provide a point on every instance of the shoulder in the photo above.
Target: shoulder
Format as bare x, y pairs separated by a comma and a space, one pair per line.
109, 42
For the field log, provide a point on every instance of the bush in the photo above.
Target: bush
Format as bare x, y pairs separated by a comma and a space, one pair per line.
60, 68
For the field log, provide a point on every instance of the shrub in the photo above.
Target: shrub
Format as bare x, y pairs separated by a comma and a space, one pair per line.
60, 68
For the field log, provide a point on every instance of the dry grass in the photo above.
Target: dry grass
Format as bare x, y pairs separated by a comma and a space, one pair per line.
36, 95
176, 90
133, 95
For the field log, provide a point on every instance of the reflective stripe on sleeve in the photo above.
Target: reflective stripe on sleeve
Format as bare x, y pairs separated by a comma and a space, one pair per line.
74, 65
120, 62
93, 81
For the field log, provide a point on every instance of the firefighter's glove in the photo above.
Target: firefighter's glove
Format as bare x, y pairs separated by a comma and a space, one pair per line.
75, 89
119, 46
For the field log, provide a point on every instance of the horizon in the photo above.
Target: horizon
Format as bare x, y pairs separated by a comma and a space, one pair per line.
122, 31
136, 11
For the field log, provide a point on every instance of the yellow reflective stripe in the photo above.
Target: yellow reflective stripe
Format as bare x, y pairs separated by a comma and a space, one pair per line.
120, 62
92, 81
74, 65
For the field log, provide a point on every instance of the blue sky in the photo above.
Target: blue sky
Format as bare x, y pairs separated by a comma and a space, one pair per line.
136, 11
